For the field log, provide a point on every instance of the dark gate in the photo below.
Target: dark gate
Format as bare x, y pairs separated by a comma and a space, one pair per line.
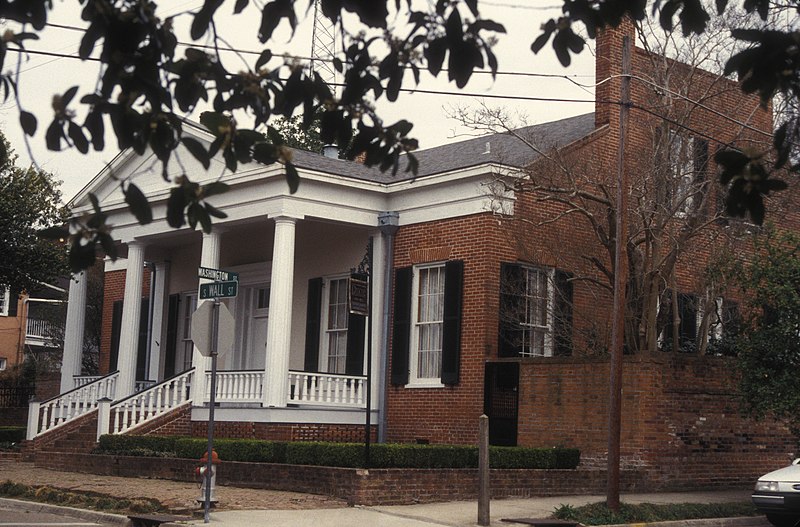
500, 402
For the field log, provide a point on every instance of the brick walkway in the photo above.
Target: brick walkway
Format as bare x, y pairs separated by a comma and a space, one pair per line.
175, 495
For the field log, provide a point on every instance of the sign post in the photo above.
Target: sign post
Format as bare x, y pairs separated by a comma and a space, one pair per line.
212, 332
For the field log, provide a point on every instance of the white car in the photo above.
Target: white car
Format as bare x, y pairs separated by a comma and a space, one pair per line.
777, 495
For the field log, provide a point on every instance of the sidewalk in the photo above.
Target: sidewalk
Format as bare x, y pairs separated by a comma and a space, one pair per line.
464, 514
241, 507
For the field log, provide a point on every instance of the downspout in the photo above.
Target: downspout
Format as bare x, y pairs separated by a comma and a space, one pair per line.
388, 223
150, 306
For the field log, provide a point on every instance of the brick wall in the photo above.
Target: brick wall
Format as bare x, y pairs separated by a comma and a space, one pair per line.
358, 486
285, 431
680, 418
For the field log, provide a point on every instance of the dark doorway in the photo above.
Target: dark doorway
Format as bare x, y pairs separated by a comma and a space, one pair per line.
500, 402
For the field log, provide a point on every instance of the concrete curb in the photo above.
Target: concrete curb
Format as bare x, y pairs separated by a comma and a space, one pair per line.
742, 521
83, 514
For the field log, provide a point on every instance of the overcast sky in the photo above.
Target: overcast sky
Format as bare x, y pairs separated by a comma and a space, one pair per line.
43, 76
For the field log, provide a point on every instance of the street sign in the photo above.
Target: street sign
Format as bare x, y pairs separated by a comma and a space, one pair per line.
219, 290
218, 275
203, 324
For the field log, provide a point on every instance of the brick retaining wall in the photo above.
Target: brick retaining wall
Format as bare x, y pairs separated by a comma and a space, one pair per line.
357, 486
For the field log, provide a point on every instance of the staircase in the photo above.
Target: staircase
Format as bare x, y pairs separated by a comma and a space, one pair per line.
72, 421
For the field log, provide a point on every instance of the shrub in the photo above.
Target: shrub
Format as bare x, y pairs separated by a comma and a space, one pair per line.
12, 434
382, 455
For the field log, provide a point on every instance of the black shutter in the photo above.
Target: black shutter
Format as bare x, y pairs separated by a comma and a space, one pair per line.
13, 301
116, 327
141, 350
401, 333
562, 314
687, 306
354, 360
171, 345
451, 327
313, 320
512, 310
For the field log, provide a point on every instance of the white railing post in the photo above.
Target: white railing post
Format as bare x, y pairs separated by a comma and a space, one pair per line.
103, 416
33, 420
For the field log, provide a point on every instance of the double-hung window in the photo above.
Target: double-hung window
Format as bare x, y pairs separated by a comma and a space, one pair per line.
535, 311
4, 301
428, 309
687, 160
537, 324
335, 325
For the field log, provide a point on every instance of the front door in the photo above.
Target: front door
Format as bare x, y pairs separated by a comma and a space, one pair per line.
500, 402
185, 345
258, 315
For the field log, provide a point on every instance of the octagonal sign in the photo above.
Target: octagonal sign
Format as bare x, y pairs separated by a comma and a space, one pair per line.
202, 320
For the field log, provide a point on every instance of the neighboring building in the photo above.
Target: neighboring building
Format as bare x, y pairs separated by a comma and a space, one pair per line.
27, 324
483, 298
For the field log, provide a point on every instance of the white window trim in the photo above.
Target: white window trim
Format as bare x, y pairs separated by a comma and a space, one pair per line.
3, 363
5, 293
551, 290
413, 351
323, 328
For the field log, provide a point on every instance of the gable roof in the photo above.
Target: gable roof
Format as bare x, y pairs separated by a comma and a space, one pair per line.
503, 148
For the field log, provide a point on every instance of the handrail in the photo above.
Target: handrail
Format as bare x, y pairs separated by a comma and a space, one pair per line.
99, 379
139, 408
66, 407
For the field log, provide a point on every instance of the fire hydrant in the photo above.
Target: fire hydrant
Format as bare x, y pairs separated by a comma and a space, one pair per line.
200, 472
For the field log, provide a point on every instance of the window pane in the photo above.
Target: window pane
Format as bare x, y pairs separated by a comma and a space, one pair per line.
430, 313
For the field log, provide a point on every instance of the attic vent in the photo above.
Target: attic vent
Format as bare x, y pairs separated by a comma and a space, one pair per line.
488, 148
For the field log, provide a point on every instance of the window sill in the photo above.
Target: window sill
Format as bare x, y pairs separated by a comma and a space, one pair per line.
425, 385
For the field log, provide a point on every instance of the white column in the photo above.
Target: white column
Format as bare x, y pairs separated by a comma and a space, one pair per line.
378, 277
279, 326
157, 336
131, 317
209, 257
73, 332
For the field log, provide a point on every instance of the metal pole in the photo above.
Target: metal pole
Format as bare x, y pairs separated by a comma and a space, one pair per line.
368, 419
484, 490
211, 403
620, 281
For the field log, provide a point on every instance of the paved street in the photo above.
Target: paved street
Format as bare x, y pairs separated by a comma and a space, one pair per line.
17, 517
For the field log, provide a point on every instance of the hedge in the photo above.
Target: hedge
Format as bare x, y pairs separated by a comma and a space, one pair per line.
12, 434
382, 455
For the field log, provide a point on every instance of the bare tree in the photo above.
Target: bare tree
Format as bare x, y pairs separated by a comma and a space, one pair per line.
675, 213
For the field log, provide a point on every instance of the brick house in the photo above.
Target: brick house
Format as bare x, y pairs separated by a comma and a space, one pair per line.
485, 298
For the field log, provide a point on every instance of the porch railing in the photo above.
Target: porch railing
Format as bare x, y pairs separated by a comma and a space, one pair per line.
237, 386
52, 413
80, 380
328, 389
40, 330
152, 402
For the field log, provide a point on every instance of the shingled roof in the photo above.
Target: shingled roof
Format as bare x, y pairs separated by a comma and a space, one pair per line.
500, 148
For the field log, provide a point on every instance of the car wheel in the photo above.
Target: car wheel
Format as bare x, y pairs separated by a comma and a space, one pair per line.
780, 520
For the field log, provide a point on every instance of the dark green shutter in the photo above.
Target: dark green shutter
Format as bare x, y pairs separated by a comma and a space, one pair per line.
451, 327
562, 314
141, 349
512, 310
116, 328
687, 306
354, 360
313, 321
171, 345
401, 333
13, 301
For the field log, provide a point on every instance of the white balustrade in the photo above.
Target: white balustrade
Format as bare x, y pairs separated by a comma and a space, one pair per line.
68, 406
146, 405
244, 386
81, 380
39, 329
327, 389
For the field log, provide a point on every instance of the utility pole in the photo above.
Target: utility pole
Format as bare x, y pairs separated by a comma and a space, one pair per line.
620, 282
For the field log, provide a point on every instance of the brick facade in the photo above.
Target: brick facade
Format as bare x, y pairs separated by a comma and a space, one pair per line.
113, 291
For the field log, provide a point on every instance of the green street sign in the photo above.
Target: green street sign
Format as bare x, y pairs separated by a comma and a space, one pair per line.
219, 290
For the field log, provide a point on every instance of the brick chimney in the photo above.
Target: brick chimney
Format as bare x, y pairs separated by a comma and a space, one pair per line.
608, 62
